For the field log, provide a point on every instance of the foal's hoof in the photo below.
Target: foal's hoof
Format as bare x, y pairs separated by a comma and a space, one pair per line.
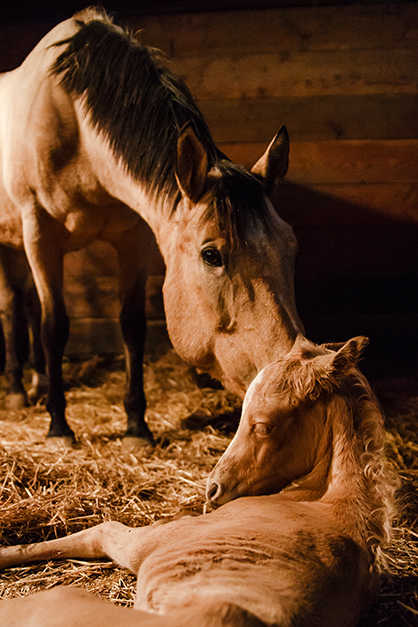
16, 401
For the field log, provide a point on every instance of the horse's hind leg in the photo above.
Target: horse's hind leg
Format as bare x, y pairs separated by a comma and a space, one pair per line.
134, 249
14, 327
39, 383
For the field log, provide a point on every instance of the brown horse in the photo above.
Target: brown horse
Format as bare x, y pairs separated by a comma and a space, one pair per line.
306, 553
100, 141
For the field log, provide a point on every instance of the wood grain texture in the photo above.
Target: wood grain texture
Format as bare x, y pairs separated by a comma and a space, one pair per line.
281, 29
301, 74
315, 118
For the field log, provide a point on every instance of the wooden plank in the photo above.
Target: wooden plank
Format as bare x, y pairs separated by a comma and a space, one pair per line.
324, 206
376, 116
341, 161
99, 258
301, 74
94, 336
354, 161
92, 296
273, 30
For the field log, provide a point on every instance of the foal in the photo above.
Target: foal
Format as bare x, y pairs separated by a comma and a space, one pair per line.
303, 551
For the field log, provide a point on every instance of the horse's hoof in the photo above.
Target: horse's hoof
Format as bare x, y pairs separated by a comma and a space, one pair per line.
63, 441
133, 444
16, 401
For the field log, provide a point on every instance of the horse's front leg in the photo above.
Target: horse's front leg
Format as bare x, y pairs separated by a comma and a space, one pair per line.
133, 251
45, 255
14, 329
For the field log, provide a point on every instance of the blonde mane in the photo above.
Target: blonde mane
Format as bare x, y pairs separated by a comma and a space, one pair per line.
381, 506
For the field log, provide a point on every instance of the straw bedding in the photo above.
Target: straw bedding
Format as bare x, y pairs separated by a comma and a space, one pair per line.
47, 490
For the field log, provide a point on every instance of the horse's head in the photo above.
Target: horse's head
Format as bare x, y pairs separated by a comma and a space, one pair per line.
229, 284
280, 438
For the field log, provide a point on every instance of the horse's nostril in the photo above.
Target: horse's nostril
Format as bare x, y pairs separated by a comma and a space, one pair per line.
212, 491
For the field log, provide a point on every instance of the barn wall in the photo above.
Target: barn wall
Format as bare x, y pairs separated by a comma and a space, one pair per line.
344, 80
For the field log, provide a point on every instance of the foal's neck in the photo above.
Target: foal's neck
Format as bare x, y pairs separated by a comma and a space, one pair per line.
348, 476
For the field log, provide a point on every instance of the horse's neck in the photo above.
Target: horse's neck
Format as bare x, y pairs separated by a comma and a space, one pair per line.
114, 178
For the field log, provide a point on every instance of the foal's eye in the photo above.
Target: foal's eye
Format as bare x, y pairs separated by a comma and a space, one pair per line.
212, 257
261, 428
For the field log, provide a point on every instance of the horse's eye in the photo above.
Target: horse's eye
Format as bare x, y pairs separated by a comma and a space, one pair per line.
212, 257
261, 428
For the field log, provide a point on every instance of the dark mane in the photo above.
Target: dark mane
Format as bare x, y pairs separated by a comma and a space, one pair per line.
140, 106
238, 201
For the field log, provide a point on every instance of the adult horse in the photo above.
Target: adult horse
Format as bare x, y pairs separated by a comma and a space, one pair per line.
306, 553
100, 141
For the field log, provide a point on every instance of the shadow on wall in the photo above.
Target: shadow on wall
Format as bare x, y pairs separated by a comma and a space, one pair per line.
356, 274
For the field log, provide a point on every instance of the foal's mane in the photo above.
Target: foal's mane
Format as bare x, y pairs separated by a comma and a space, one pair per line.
140, 106
382, 481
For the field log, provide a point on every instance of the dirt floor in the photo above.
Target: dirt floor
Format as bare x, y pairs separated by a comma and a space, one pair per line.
47, 490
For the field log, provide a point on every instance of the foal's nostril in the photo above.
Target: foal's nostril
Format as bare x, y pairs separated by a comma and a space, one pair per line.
213, 491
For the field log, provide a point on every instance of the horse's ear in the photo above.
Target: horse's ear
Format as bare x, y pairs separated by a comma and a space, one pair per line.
272, 166
322, 371
191, 164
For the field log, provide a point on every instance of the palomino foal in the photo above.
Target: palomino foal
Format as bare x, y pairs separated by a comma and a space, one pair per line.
303, 551
99, 141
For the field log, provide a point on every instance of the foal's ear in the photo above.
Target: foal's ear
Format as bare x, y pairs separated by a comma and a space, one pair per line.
349, 354
272, 166
191, 164
323, 371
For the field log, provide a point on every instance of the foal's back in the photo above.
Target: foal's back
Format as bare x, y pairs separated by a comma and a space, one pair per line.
276, 558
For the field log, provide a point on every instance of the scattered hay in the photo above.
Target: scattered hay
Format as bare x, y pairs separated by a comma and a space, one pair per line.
47, 490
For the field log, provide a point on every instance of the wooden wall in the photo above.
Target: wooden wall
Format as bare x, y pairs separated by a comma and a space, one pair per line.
344, 80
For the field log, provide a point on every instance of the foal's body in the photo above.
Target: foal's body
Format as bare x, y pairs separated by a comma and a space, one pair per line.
303, 557
99, 141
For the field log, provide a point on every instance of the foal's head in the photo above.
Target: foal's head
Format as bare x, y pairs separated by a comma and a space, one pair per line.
288, 430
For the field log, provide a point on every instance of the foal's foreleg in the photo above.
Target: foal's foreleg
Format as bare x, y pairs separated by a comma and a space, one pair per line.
127, 546
110, 539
